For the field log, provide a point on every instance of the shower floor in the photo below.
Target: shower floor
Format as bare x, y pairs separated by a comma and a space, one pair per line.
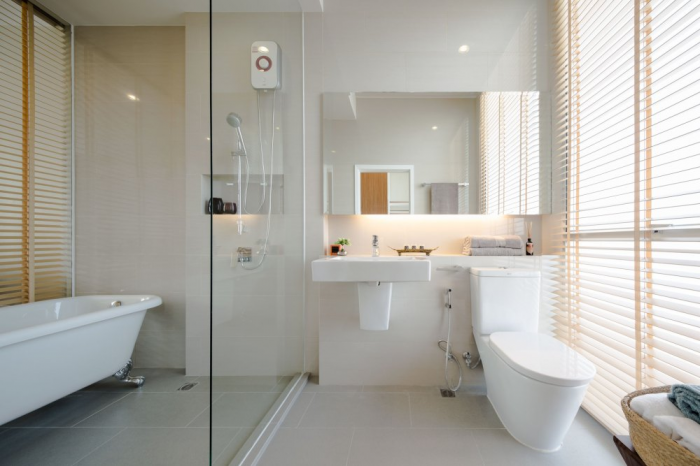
109, 423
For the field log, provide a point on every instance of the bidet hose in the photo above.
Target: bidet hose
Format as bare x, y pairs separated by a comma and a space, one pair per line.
447, 347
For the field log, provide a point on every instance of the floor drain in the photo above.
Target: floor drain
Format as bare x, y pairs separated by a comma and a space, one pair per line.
188, 386
447, 393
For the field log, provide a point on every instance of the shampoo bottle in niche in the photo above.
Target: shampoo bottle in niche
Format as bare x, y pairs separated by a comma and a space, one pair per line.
529, 246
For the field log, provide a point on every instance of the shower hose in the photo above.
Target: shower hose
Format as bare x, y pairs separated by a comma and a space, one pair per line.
446, 347
264, 184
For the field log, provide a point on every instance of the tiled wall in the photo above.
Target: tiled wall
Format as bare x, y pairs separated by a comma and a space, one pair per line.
414, 50
130, 176
258, 315
316, 231
407, 353
444, 231
411, 46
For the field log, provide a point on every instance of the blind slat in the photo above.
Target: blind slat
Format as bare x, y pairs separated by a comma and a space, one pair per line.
626, 290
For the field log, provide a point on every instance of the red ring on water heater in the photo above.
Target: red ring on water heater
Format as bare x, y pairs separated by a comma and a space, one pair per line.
263, 68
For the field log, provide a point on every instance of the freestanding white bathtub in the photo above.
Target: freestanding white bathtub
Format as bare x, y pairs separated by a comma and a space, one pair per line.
50, 349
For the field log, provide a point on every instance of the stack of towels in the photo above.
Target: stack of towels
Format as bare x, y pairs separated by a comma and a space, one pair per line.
510, 245
676, 414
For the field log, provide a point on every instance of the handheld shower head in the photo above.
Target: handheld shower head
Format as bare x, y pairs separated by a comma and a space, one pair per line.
234, 120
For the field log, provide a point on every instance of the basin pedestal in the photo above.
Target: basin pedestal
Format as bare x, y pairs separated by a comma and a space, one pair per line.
375, 305
373, 277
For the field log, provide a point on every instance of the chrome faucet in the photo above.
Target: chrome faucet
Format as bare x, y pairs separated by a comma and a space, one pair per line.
375, 246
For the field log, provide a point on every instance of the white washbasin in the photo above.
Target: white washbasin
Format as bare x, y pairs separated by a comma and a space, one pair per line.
371, 269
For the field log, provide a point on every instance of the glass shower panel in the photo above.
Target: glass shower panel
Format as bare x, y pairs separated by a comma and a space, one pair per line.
137, 131
255, 195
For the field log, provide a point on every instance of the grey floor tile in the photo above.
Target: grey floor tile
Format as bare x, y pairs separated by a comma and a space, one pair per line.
151, 410
230, 450
282, 384
50, 447
160, 447
463, 411
67, 411
308, 447
242, 384
157, 380
313, 386
587, 443
400, 389
298, 410
238, 410
414, 447
357, 410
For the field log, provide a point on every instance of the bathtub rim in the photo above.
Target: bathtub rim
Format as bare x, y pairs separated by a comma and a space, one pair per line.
145, 303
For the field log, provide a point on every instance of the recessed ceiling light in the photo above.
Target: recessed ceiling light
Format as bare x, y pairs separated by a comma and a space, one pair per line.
332, 152
463, 49
208, 139
132, 97
434, 128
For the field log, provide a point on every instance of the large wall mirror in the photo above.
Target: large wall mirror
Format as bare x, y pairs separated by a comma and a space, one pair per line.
436, 153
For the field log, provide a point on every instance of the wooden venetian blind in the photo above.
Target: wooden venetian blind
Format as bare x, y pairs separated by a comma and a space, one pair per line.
509, 153
628, 105
35, 155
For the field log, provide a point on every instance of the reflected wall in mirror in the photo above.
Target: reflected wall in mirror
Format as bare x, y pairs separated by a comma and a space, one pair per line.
468, 153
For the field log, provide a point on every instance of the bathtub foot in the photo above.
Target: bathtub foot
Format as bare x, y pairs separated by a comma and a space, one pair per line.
123, 375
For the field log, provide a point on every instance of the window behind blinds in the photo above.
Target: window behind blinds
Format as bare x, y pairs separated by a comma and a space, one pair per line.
35, 163
628, 107
510, 153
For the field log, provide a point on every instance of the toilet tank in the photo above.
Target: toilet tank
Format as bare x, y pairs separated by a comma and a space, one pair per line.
504, 300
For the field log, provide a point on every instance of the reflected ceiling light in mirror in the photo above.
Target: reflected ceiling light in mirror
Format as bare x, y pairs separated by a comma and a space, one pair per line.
434, 128
132, 97
463, 49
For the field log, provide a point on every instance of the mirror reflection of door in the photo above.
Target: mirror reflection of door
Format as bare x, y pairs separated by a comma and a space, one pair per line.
374, 189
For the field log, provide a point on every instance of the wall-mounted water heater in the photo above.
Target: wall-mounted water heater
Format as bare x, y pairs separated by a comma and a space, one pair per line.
266, 65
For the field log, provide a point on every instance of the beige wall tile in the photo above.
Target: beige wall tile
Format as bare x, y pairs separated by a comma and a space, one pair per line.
130, 176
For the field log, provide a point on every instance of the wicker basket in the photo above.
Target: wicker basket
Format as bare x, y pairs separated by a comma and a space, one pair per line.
653, 447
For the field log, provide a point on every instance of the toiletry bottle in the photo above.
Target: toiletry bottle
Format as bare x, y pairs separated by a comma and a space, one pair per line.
529, 247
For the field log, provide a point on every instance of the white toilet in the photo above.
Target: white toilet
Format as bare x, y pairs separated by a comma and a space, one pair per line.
535, 383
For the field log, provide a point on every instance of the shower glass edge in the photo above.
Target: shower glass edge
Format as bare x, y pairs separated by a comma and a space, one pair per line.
254, 355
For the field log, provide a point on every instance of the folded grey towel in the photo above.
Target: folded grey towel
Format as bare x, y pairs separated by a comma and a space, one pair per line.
494, 252
507, 241
687, 399
444, 198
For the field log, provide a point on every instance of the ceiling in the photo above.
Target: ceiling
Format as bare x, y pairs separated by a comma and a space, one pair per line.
160, 12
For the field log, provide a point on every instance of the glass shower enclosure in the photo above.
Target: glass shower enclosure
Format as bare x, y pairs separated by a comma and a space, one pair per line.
185, 182
253, 187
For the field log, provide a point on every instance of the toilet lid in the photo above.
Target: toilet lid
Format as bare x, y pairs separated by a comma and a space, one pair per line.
542, 358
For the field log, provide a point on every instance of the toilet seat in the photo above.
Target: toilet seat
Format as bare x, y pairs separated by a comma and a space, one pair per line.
542, 358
